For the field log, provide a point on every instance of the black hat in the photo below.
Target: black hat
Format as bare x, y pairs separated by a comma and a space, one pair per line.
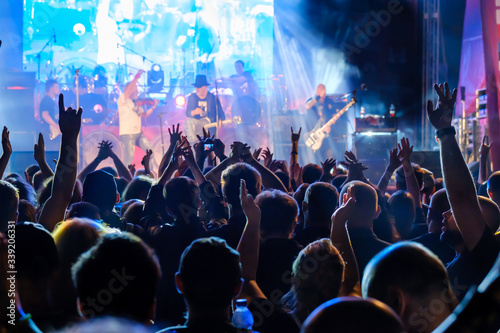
201, 80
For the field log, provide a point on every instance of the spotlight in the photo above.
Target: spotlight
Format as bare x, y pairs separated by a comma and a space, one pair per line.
180, 100
79, 29
155, 78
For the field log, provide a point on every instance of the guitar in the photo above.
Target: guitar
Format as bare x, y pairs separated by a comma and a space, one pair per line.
314, 139
193, 127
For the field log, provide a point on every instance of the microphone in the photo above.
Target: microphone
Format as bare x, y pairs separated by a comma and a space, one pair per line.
54, 34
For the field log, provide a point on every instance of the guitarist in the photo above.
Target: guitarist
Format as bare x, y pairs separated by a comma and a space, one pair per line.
49, 113
320, 109
201, 108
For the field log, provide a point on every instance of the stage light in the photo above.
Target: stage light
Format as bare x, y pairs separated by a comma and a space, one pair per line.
79, 29
180, 100
155, 78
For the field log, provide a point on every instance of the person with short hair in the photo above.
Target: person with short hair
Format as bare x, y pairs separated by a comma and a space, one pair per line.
277, 250
412, 281
99, 188
352, 314
117, 277
209, 278
364, 241
318, 206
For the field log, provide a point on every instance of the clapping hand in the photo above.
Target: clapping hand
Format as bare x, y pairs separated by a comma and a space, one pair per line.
147, 157
394, 159
442, 115
104, 150
484, 150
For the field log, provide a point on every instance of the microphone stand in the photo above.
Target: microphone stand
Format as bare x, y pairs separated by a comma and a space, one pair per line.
144, 58
161, 133
39, 54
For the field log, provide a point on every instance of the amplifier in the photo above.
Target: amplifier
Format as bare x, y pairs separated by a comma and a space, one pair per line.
376, 124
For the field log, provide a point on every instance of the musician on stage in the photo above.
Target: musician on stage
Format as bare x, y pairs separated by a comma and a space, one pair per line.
320, 109
49, 114
243, 82
201, 107
130, 116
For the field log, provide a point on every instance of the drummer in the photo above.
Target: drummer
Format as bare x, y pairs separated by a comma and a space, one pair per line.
242, 82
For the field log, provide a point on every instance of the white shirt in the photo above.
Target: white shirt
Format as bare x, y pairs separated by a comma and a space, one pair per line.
129, 115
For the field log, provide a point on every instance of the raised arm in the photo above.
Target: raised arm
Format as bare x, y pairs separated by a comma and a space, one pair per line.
102, 154
394, 163
175, 136
459, 184
248, 247
269, 179
146, 161
121, 168
340, 239
405, 151
483, 160
132, 85
65, 175
7, 151
39, 155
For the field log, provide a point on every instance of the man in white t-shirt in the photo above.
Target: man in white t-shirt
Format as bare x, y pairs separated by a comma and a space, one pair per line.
130, 115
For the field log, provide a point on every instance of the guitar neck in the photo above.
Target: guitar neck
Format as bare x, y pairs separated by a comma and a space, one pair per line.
337, 116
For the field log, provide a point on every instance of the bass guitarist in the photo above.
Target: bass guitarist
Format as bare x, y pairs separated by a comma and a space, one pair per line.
202, 108
321, 109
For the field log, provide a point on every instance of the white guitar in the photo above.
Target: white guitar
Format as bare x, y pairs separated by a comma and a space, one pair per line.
314, 139
193, 127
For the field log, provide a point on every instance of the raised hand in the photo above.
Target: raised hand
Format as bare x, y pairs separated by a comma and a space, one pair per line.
250, 208
206, 135
238, 149
256, 153
346, 210
268, 157
104, 150
147, 157
328, 165
175, 135
6, 146
442, 115
70, 120
405, 150
39, 150
484, 150
278, 165
131, 168
394, 160
296, 136
219, 148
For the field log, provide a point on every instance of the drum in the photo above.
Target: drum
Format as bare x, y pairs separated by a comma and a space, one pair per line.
248, 108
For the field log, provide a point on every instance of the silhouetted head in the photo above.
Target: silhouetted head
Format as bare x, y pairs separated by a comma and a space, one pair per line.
120, 274
9, 204
353, 315
319, 203
279, 213
99, 188
311, 173
182, 198
231, 179
407, 277
209, 274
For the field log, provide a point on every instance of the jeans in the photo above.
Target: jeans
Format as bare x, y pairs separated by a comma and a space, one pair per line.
129, 141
